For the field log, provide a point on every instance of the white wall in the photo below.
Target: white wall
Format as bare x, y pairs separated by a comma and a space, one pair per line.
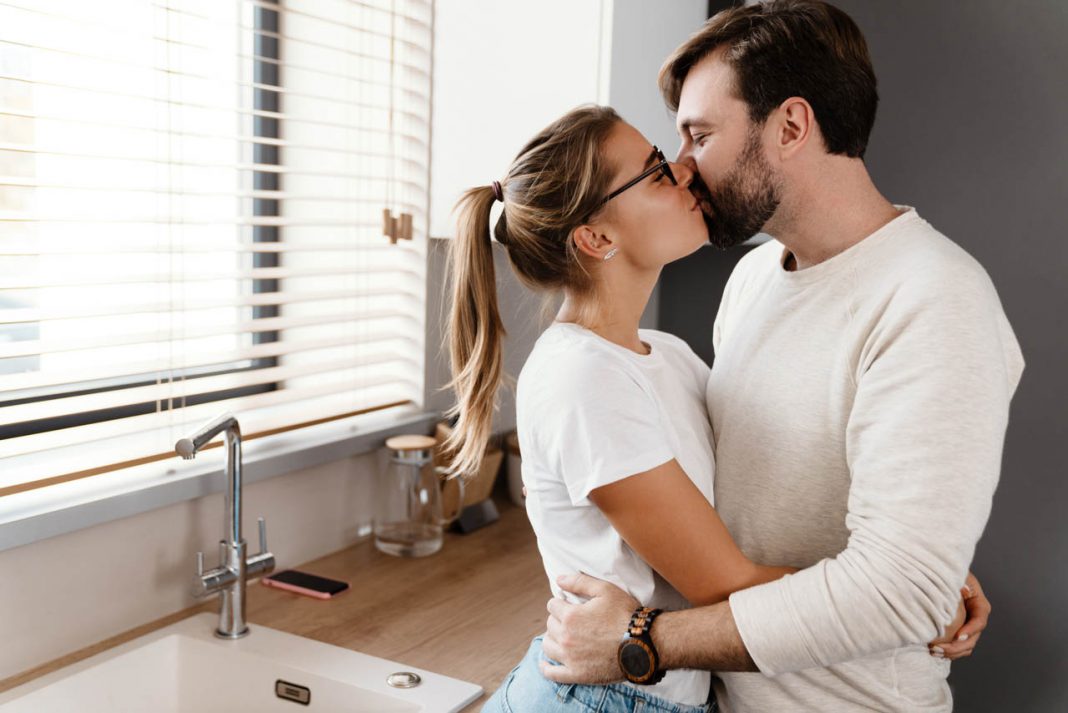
503, 70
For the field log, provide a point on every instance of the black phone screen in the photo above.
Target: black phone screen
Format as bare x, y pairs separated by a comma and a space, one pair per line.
310, 581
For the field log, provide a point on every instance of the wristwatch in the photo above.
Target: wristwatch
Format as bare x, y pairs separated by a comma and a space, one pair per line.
637, 656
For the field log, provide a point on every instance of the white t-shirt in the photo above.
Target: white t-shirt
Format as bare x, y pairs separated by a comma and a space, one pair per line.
590, 413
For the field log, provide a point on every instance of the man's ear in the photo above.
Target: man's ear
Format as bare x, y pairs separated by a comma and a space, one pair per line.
795, 124
591, 242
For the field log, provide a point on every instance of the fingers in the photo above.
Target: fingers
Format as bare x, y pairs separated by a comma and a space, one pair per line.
557, 672
584, 585
558, 608
975, 600
554, 665
966, 637
978, 617
552, 650
978, 608
555, 632
956, 649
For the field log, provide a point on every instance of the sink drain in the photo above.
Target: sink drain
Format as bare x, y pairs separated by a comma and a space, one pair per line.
404, 679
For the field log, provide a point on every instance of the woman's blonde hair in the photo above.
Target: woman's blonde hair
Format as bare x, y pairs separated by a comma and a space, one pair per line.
556, 183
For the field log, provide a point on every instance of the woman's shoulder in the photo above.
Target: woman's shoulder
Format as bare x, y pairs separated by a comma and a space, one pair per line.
565, 344
673, 346
665, 340
570, 360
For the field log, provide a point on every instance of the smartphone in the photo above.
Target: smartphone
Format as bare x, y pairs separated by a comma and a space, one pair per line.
307, 584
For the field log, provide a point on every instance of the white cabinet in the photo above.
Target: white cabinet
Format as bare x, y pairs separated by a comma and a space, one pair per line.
503, 70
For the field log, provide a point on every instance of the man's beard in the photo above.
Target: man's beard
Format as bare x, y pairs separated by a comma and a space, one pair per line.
743, 202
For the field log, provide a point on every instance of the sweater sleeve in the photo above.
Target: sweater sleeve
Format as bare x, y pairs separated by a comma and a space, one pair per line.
934, 378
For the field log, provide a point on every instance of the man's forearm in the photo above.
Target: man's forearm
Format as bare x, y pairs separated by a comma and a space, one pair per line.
702, 638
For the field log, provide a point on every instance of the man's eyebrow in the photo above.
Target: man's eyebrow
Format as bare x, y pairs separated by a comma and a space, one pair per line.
687, 124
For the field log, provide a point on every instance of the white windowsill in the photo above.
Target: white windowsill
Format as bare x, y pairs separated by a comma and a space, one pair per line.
39, 514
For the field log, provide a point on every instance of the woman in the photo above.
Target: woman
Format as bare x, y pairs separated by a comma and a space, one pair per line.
617, 456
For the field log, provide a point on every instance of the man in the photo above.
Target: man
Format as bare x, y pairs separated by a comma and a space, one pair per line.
859, 396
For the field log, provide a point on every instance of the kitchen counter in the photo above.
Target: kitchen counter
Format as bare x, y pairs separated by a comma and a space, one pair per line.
468, 611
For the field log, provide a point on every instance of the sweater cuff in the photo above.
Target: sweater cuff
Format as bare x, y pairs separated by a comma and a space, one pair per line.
770, 628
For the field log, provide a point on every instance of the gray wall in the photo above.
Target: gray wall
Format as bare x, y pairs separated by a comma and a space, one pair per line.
971, 131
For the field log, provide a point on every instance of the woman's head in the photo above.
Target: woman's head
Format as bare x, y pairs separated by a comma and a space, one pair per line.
559, 226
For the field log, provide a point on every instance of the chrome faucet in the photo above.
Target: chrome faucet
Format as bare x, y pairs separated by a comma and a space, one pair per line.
229, 577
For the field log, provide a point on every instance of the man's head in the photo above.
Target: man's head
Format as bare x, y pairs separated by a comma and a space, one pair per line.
760, 92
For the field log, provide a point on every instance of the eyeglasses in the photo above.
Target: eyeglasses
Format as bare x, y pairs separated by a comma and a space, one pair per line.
662, 166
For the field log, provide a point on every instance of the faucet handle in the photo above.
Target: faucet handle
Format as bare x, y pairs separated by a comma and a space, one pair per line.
263, 534
200, 564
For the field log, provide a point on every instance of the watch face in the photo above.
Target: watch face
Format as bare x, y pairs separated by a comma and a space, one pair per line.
635, 659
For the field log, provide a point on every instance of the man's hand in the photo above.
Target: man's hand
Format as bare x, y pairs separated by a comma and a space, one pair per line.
962, 642
584, 638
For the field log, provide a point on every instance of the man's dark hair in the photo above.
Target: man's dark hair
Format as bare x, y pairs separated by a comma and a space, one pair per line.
789, 48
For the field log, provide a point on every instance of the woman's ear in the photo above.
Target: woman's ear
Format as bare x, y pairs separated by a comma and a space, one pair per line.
591, 242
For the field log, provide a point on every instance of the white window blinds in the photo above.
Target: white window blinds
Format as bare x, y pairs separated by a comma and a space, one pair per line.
195, 197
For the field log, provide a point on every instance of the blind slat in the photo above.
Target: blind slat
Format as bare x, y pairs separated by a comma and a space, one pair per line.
185, 388
252, 326
417, 210
283, 91
158, 369
77, 247
262, 195
261, 299
419, 86
261, 273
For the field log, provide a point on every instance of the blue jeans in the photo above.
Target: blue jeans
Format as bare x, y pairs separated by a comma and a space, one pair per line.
525, 690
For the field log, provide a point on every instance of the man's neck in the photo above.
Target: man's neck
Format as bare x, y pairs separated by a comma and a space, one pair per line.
827, 218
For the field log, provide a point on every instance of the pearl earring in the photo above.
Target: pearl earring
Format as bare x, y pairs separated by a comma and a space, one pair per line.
610, 254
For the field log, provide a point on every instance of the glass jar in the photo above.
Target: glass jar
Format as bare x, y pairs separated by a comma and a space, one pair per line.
408, 515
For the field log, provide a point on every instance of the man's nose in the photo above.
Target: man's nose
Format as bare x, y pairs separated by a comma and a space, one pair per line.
685, 157
683, 173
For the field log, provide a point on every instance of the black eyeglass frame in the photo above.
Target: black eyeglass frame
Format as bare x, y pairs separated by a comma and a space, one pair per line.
662, 165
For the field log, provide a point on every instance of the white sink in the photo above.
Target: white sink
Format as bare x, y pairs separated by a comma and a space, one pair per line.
183, 667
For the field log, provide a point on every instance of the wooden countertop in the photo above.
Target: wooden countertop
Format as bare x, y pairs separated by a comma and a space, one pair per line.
468, 611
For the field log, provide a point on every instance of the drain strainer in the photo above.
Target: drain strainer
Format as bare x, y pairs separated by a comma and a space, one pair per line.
404, 679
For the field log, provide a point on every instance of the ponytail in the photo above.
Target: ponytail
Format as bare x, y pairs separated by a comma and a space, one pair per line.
474, 334
554, 185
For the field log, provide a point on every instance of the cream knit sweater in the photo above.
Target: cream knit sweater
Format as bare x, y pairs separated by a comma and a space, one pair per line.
859, 409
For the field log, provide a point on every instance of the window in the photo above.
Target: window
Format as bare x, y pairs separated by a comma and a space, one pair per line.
203, 207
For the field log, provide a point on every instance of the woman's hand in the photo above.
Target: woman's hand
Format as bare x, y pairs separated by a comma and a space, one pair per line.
960, 641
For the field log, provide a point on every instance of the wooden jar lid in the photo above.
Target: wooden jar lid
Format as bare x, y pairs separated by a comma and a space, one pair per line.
411, 443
